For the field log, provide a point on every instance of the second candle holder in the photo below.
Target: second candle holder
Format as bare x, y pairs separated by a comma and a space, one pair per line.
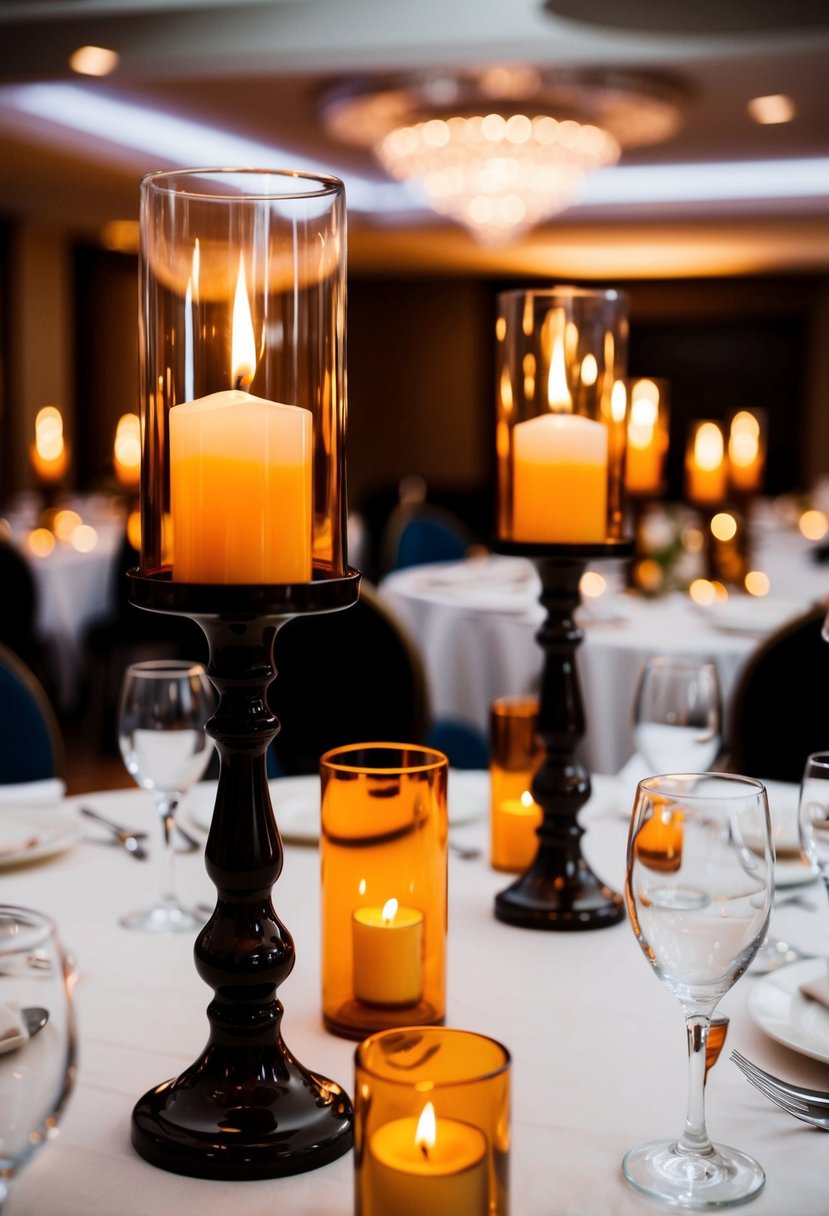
383, 850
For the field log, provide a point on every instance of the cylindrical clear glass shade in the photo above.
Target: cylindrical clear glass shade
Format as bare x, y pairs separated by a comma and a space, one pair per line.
383, 848
432, 1124
242, 357
560, 435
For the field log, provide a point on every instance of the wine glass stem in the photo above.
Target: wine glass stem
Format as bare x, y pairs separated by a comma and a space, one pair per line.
694, 1138
167, 804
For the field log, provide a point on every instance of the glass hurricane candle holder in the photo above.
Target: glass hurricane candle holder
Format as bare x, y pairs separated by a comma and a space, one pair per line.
515, 755
747, 452
560, 441
560, 438
242, 356
432, 1124
706, 464
648, 412
383, 855
242, 373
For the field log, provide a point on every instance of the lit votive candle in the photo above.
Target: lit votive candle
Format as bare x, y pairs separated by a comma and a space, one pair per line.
428, 1165
659, 841
706, 468
560, 480
388, 954
514, 839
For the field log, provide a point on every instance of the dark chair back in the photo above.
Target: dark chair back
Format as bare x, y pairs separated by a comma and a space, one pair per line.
31, 746
780, 709
18, 606
345, 677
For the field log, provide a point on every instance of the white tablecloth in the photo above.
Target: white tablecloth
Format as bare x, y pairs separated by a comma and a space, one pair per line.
598, 1044
475, 623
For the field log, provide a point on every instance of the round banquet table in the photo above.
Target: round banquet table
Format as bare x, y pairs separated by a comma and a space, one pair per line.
474, 623
598, 1045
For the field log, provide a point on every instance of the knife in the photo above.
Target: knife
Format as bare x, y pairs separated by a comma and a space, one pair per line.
130, 840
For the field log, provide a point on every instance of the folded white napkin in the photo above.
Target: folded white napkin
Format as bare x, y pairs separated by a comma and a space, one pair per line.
33, 793
817, 990
13, 1030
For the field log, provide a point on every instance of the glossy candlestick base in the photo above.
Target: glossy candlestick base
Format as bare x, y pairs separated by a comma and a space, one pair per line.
559, 891
246, 1108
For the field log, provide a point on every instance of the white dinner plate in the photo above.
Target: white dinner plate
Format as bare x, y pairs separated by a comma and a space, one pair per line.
296, 803
753, 615
779, 1008
35, 832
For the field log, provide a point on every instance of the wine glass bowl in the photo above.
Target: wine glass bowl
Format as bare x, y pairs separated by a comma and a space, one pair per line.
163, 710
677, 714
698, 892
37, 1059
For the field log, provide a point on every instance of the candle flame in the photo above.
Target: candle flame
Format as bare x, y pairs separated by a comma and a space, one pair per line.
127, 447
558, 394
618, 402
708, 446
389, 911
426, 1131
49, 433
744, 439
527, 799
243, 348
589, 370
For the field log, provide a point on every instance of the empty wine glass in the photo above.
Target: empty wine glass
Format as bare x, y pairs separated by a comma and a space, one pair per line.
813, 813
677, 715
163, 710
698, 892
37, 1038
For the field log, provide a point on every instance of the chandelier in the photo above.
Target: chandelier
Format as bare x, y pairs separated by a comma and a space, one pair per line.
501, 149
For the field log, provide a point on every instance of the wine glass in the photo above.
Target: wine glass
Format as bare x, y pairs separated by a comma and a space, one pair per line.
37, 1037
813, 813
163, 709
698, 892
677, 715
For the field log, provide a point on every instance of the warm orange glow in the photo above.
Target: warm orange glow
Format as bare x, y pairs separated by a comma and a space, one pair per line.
243, 348
49, 453
647, 439
706, 472
558, 393
757, 583
589, 371
708, 446
41, 542
93, 61
659, 841
389, 911
65, 523
746, 451
772, 109
592, 584
426, 1132
527, 800
127, 449
134, 529
702, 591
723, 526
813, 525
84, 538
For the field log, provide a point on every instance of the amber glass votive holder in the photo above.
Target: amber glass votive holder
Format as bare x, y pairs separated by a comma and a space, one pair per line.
384, 843
432, 1124
514, 756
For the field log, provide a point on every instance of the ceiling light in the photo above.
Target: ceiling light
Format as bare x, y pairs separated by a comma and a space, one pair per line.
93, 61
501, 149
775, 108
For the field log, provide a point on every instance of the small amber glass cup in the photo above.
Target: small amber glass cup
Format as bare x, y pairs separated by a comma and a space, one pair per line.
515, 755
431, 1124
383, 850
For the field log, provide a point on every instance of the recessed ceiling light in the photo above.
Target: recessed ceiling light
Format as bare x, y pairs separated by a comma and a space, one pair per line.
93, 61
774, 108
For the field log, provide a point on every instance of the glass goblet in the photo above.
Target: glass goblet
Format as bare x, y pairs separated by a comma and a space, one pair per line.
37, 1037
163, 710
677, 714
813, 813
698, 891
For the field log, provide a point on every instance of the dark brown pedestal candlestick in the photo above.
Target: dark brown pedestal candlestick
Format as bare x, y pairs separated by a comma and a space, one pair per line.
559, 891
246, 1108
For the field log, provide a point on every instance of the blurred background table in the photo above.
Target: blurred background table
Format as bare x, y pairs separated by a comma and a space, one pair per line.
475, 624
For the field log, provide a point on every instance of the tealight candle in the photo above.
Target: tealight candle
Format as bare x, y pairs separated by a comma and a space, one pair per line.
428, 1165
388, 954
240, 479
513, 832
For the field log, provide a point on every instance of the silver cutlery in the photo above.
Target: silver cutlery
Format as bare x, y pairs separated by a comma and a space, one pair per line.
129, 839
775, 953
466, 852
808, 1105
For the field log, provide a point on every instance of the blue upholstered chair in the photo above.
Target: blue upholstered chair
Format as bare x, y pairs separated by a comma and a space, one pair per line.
31, 746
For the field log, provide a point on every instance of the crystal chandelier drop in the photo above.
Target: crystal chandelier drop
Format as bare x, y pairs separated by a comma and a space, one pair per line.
501, 149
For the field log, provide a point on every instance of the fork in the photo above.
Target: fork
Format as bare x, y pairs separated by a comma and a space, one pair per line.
808, 1105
